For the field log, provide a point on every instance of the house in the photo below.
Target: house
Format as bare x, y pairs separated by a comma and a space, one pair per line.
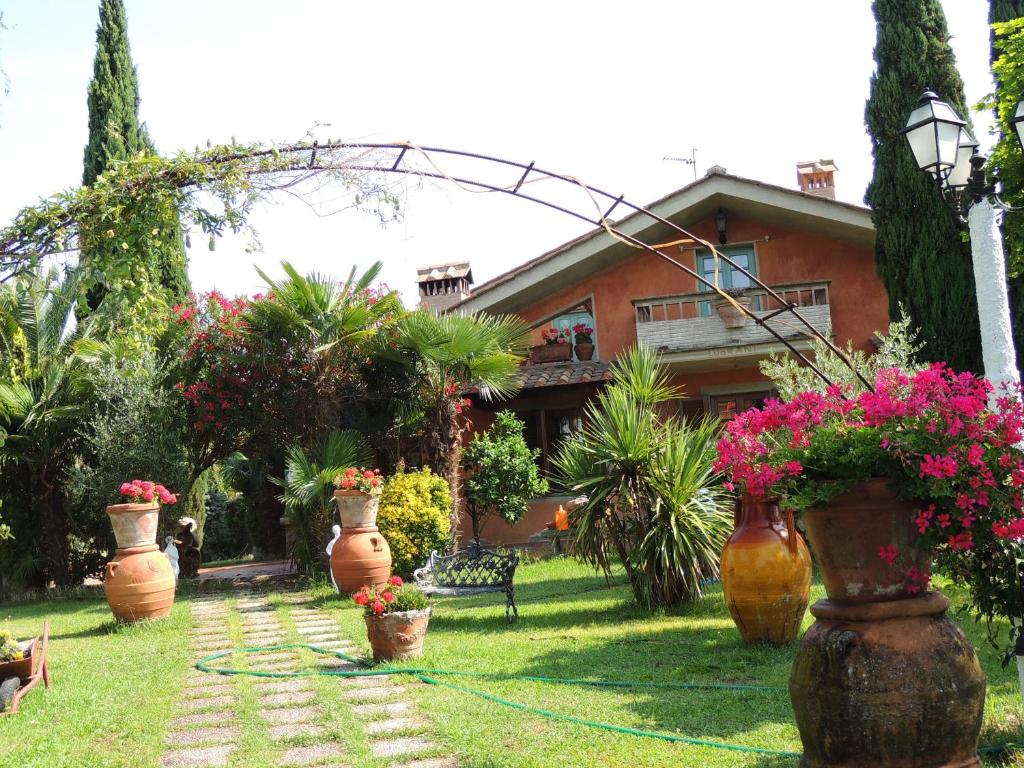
814, 250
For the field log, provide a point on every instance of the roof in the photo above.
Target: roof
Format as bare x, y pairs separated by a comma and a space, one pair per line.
816, 166
561, 374
597, 250
444, 271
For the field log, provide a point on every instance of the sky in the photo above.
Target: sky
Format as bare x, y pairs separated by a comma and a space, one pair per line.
597, 90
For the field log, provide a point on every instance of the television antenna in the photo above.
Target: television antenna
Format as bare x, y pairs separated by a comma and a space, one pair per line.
691, 161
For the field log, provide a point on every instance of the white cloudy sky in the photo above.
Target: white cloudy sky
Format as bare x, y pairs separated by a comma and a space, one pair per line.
598, 90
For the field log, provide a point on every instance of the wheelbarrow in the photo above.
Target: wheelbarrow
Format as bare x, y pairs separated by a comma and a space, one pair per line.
19, 677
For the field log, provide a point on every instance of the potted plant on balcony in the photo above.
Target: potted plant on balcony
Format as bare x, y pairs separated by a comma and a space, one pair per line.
396, 618
555, 349
884, 479
728, 306
584, 341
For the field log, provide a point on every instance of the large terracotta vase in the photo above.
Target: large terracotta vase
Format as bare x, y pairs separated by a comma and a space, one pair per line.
135, 525
766, 573
397, 635
139, 584
883, 677
361, 557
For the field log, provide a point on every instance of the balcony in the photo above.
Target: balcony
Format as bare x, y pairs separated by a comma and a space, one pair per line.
688, 334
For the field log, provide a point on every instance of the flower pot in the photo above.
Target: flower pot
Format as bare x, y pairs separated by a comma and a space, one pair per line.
846, 537
357, 509
893, 683
766, 574
134, 525
360, 558
551, 353
584, 350
21, 668
731, 316
396, 636
139, 584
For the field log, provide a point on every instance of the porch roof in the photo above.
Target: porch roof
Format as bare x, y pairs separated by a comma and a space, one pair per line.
562, 374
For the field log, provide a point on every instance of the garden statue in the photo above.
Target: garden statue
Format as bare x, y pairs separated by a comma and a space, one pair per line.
189, 556
171, 553
336, 530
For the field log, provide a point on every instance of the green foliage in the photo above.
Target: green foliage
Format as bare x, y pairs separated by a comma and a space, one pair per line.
898, 349
415, 508
920, 254
652, 497
309, 491
194, 506
9, 650
409, 597
503, 472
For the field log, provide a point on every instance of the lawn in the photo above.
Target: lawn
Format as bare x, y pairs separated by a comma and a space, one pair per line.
115, 687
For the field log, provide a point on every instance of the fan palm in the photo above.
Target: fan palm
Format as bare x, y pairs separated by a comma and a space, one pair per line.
652, 497
44, 396
308, 489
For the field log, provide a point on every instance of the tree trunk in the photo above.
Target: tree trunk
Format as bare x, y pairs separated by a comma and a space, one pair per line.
55, 532
455, 481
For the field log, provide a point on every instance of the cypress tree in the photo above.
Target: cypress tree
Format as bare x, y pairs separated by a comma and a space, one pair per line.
115, 134
920, 255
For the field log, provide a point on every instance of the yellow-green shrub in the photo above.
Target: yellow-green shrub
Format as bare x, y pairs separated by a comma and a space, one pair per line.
415, 510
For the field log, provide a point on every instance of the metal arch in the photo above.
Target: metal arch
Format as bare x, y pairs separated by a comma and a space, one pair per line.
308, 159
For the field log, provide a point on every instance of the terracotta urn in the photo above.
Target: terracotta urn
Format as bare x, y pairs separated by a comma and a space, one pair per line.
135, 525
766, 573
139, 584
551, 353
883, 677
396, 636
360, 558
732, 317
357, 509
584, 350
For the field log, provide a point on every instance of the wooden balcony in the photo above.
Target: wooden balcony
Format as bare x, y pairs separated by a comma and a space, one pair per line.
688, 334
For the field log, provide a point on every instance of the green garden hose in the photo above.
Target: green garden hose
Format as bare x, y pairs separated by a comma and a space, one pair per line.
430, 677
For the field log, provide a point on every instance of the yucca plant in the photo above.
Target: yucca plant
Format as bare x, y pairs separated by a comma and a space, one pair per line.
308, 493
652, 497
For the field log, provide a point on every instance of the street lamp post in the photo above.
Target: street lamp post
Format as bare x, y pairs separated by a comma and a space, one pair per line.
944, 149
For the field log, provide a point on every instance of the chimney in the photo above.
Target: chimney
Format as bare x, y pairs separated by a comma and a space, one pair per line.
817, 177
445, 285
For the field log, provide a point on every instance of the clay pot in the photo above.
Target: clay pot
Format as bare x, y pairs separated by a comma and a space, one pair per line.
397, 635
892, 684
134, 524
139, 584
766, 573
551, 353
22, 668
360, 558
584, 350
357, 509
846, 535
731, 316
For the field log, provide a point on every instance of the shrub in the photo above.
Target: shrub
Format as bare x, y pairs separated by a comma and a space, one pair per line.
415, 508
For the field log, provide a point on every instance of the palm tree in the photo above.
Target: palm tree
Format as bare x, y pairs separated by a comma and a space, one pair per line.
308, 485
447, 354
652, 497
44, 397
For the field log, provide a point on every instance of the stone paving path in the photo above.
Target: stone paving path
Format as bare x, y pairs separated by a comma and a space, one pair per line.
206, 732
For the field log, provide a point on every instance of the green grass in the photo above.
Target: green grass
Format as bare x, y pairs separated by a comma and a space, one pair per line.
572, 625
115, 687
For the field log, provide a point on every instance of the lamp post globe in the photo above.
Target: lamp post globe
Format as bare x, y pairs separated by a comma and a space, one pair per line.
1017, 123
933, 132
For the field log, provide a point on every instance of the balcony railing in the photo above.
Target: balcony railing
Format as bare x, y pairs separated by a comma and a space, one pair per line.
688, 322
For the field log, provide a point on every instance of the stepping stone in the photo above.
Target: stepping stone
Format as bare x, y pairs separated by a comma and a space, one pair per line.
200, 735
382, 708
284, 686
281, 716
371, 681
315, 753
292, 730
202, 691
382, 692
317, 639
280, 666
270, 658
297, 599
287, 699
260, 641
203, 718
431, 762
313, 626
210, 701
221, 645
395, 724
206, 757
398, 747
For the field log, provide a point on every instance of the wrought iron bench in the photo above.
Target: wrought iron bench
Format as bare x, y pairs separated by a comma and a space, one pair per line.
471, 571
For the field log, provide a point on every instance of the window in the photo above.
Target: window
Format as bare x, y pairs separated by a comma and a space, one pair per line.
546, 428
728, 275
727, 406
581, 314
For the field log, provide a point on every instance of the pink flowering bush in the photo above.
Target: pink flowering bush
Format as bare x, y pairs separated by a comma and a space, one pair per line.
141, 491
933, 434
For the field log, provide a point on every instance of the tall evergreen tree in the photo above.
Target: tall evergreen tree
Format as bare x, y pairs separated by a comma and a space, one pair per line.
919, 252
115, 134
